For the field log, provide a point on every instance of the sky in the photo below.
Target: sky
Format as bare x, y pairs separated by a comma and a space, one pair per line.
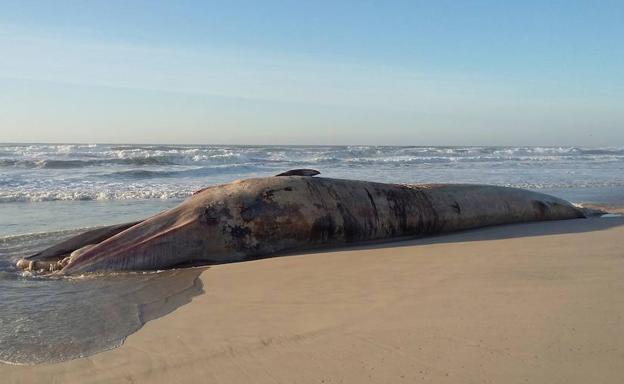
313, 72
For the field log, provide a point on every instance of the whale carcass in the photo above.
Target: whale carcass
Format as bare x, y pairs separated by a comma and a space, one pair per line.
261, 217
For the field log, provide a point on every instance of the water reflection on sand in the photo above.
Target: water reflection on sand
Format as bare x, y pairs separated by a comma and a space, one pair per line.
52, 319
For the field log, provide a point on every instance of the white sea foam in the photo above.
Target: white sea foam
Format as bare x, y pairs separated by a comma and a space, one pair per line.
36, 173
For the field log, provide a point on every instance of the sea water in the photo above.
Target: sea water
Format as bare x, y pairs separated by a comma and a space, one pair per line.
52, 319
49, 192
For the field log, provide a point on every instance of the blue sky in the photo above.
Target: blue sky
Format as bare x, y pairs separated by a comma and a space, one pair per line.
286, 72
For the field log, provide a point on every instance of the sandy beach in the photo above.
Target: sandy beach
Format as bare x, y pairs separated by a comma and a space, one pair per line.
537, 303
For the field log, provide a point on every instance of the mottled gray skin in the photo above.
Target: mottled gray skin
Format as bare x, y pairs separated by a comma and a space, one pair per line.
267, 216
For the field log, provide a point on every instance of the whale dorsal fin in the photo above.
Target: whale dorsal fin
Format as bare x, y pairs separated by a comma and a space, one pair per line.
300, 172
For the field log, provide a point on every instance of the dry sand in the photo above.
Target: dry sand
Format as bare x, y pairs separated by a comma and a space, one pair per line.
537, 303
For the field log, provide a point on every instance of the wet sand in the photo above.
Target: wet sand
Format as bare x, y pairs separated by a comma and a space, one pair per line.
537, 303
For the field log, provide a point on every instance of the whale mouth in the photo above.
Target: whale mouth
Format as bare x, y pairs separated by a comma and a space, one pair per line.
44, 266
56, 257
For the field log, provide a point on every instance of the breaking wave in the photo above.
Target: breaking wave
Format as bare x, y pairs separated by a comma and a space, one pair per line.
74, 163
38, 172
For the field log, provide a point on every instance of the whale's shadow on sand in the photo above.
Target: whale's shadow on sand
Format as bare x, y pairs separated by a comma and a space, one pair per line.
496, 232
509, 231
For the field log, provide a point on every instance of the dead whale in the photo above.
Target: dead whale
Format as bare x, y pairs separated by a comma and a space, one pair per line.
261, 217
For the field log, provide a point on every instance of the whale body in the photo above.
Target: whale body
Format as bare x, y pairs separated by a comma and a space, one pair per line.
262, 217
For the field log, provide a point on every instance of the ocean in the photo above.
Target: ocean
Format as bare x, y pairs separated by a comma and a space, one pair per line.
47, 187
51, 191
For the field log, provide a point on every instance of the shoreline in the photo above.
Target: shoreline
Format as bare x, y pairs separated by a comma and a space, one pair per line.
526, 302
